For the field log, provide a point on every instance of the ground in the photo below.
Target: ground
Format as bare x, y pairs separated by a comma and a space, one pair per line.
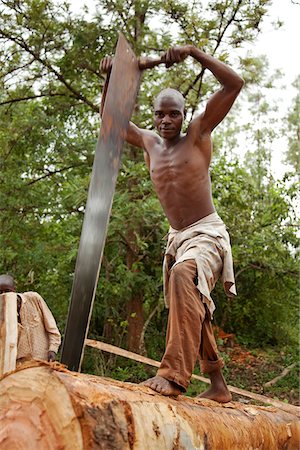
254, 369
250, 370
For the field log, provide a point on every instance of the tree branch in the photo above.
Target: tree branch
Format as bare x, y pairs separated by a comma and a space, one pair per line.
50, 68
142, 336
282, 375
30, 97
218, 42
53, 172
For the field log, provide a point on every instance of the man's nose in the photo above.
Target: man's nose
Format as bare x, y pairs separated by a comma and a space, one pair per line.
166, 119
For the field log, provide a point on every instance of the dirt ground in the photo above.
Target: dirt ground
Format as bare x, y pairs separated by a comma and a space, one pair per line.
251, 370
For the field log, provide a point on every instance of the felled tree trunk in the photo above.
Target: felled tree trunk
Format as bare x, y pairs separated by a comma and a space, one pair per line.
45, 407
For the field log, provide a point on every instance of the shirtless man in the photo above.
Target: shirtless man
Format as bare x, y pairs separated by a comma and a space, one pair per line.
198, 250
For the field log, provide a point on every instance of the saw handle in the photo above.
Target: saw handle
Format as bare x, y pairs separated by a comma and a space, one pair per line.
145, 62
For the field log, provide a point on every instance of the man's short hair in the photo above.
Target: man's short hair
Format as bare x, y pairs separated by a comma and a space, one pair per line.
7, 279
170, 92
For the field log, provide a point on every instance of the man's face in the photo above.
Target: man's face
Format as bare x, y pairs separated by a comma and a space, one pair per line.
168, 116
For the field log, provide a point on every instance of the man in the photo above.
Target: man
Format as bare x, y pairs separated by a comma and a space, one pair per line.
38, 335
198, 250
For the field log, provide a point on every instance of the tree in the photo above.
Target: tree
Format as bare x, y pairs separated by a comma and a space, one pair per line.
292, 155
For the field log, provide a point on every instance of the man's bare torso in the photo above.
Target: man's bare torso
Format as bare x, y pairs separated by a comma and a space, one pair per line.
180, 174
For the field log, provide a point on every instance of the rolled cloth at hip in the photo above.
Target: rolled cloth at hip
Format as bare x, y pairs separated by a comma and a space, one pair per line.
208, 243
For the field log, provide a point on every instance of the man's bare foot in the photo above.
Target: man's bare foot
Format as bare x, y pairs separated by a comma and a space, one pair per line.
163, 386
218, 390
218, 395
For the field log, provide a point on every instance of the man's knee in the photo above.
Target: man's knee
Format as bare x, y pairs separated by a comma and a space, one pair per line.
185, 271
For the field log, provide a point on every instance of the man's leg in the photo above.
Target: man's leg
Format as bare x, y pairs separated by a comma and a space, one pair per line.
186, 315
212, 365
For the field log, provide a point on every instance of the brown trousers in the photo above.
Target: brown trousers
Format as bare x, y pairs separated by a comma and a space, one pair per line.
189, 333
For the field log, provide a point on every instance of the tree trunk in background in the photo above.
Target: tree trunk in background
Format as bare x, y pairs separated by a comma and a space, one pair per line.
47, 407
134, 306
135, 318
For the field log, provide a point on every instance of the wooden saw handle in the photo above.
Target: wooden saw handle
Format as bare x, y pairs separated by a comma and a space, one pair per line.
146, 62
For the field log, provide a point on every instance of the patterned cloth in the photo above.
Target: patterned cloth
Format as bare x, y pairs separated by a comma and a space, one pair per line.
207, 242
37, 330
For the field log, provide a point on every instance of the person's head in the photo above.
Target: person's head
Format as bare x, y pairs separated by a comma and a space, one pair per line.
169, 113
7, 284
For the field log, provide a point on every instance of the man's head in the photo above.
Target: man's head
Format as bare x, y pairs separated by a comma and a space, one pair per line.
169, 113
7, 284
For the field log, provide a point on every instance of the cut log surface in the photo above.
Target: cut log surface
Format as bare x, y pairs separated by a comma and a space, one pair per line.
45, 407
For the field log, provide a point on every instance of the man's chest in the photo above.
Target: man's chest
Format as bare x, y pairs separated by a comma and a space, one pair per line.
182, 164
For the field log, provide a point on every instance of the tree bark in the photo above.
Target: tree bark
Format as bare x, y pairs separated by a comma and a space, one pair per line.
44, 406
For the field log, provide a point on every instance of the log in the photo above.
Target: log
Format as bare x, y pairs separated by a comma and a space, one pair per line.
8, 332
44, 406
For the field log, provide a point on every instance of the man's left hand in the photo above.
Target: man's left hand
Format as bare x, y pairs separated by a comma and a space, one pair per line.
177, 54
51, 356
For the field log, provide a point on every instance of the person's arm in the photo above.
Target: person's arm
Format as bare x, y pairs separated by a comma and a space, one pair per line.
220, 103
51, 329
135, 135
105, 66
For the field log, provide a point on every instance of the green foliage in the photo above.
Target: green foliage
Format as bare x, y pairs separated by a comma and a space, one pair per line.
264, 244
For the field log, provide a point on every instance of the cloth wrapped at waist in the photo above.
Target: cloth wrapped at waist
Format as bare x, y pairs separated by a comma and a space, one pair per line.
208, 243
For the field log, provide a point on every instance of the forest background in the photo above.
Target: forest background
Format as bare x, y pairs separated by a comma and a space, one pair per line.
50, 90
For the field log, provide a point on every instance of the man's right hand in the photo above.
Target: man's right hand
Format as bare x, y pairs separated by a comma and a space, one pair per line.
106, 64
51, 356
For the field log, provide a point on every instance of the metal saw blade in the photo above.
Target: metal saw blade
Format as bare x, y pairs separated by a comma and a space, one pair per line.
119, 103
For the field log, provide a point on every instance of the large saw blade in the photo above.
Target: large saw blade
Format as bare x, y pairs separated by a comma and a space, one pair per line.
119, 103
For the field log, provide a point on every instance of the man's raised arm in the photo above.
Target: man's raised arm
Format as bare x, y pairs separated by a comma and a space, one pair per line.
220, 103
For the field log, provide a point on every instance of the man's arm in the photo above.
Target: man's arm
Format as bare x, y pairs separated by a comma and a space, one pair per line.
50, 327
220, 103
